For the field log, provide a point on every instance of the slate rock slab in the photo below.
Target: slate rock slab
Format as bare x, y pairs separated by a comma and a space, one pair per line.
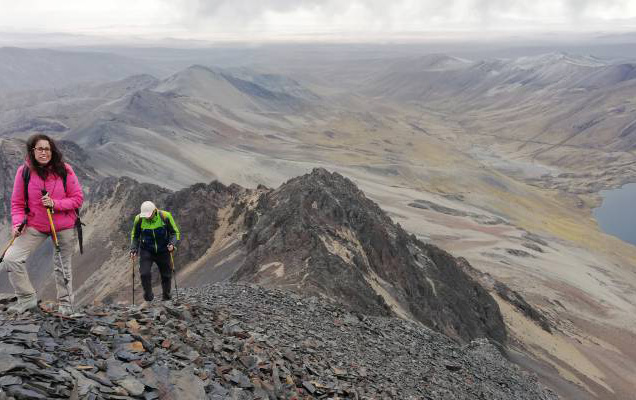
9, 362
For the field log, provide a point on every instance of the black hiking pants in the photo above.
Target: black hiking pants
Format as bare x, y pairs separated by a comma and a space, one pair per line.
146, 259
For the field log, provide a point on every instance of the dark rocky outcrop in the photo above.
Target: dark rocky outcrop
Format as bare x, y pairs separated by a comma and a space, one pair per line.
533, 246
330, 239
519, 253
513, 297
196, 209
111, 208
509, 295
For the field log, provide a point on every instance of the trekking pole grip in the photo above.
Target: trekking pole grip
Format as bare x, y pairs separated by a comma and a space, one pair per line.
49, 213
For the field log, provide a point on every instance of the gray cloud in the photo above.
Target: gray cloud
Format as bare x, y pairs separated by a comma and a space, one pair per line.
248, 11
431, 13
213, 19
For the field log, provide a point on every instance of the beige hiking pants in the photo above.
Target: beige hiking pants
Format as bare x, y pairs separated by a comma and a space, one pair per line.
23, 246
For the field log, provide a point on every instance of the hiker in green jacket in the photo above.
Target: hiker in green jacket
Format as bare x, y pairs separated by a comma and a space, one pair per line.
154, 237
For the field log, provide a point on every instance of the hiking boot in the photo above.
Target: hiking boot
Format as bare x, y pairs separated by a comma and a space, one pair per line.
65, 310
24, 304
145, 305
166, 297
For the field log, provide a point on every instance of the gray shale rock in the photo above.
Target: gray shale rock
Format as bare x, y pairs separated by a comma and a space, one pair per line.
247, 342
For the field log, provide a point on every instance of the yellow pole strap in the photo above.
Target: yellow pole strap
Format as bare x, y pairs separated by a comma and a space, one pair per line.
48, 212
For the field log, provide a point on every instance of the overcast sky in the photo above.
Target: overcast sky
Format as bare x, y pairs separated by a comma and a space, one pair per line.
254, 19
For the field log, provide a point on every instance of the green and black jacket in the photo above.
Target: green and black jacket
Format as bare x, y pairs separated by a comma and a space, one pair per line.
154, 234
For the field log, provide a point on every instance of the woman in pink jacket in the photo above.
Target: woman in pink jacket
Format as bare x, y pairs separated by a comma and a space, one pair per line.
31, 225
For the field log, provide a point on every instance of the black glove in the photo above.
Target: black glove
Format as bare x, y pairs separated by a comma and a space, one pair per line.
133, 253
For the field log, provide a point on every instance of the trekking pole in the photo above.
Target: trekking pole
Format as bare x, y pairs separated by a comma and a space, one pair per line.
174, 275
59, 254
133, 274
13, 239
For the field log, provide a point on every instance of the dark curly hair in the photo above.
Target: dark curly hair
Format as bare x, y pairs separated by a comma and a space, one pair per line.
56, 165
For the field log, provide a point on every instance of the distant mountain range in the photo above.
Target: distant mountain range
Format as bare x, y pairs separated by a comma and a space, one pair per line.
28, 69
557, 108
145, 127
569, 100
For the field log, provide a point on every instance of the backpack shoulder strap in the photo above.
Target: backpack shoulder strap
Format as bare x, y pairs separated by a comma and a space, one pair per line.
138, 219
162, 215
164, 218
77, 210
64, 175
26, 176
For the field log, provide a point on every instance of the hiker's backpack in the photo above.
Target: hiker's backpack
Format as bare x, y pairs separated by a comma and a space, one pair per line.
162, 215
26, 176
164, 220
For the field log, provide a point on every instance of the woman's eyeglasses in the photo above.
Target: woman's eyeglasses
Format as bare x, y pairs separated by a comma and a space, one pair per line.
42, 149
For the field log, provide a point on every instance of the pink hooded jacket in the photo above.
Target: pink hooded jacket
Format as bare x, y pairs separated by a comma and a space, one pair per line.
65, 201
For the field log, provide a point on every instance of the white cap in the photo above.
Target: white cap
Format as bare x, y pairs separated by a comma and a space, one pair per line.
147, 208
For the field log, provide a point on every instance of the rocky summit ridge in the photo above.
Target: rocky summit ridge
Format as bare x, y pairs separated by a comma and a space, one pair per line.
325, 236
236, 341
316, 234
